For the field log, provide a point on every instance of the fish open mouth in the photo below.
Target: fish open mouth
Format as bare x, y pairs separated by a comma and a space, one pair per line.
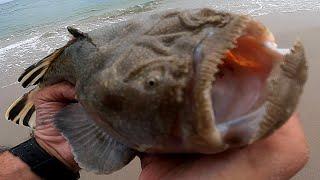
232, 90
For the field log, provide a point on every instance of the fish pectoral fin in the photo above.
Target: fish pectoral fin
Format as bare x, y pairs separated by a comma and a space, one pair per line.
22, 111
93, 149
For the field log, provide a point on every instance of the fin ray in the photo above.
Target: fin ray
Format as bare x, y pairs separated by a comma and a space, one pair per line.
35, 72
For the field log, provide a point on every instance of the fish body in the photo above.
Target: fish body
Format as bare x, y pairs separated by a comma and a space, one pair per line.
181, 81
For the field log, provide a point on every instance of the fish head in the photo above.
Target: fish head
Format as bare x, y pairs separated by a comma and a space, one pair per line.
195, 81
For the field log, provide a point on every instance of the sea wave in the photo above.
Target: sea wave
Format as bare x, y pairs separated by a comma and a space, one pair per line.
27, 42
5, 1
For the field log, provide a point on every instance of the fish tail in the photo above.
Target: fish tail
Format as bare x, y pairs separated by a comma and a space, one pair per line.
33, 75
22, 111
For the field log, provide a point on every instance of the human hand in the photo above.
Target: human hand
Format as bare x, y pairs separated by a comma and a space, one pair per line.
48, 101
279, 156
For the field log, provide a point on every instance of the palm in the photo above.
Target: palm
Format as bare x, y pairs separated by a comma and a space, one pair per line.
48, 102
45, 129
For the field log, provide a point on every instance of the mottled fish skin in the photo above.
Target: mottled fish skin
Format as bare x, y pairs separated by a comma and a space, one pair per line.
134, 74
148, 81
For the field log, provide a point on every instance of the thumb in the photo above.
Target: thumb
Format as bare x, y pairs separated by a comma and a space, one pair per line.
62, 92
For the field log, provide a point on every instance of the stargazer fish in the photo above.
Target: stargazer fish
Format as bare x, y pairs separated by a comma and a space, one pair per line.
179, 81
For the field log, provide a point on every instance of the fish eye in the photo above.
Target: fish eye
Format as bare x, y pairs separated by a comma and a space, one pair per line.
151, 83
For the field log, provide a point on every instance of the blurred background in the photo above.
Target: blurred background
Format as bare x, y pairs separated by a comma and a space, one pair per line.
31, 29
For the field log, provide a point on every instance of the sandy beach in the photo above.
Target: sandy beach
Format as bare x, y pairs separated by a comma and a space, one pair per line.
288, 27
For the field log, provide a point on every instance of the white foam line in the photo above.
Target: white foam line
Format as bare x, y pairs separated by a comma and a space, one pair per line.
5, 1
20, 43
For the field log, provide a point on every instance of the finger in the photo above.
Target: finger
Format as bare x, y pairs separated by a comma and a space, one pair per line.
61, 92
283, 154
165, 160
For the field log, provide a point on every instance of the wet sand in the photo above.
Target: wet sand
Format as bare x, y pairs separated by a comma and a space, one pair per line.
287, 28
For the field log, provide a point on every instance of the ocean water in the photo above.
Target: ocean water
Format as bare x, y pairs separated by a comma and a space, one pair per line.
30, 29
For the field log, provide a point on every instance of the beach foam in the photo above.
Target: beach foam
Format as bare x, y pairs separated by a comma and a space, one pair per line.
5, 1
